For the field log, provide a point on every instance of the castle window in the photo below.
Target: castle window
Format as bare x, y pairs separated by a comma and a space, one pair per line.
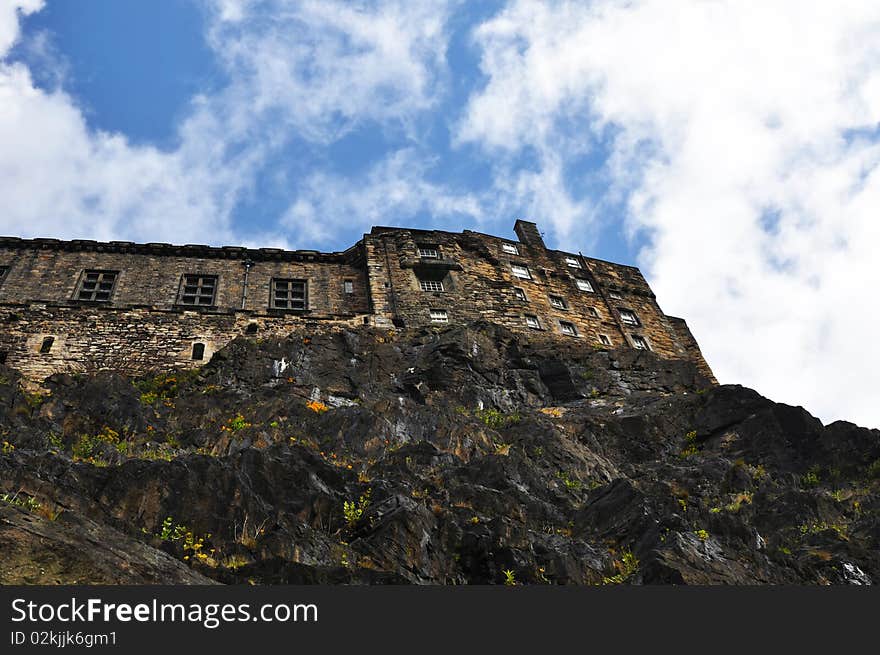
558, 302
615, 295
628, 317
431, 285
521, 272
348, 286
594, 312
639, 343
509, 248
584, 285
198, 352
289, 294
604, 340
96, 286
4, 271
533, 322
573, 262
198, 290
429, 251
46, 346
568, 328
439, 316
520, 294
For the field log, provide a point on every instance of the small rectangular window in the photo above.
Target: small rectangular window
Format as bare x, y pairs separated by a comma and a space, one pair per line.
615, 295
533, 322
289, 294
430, 252
604, 340
509, 248
519, 294
96, 286
197, 290
521, 272
431, 285
573, 262
584, 285
198, 352
439, 316
568, 328
639, 343
4, 271
348, 286
46, 346
628, 317
558, 302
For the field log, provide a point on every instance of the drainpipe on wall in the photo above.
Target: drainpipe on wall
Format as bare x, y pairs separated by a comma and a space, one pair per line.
248, 264
611, 310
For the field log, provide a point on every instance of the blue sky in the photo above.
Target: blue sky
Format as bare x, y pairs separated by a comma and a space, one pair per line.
133, 68
729, 149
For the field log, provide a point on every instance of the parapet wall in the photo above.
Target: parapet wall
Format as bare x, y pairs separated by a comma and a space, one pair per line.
393, 276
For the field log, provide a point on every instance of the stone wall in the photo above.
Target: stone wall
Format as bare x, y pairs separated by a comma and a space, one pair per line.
394, 276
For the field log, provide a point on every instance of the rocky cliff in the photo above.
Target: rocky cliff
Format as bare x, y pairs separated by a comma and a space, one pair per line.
452, 456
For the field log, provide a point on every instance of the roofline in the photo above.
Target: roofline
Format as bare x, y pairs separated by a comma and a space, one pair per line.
172, 250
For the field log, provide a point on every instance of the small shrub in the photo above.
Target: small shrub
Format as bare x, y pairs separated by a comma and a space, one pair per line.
572, 484
874, 469
495, 419
811, 477
27, 502
509, 578
234, 424
7, 448
354, 511
625, 566
703, 535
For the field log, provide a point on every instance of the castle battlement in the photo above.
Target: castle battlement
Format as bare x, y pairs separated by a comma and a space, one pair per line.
85, 305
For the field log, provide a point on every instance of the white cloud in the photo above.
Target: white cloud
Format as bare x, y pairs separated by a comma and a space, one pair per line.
396, 186
312, 70
735, 137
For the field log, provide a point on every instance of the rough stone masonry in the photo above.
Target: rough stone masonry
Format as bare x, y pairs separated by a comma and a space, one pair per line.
87, 306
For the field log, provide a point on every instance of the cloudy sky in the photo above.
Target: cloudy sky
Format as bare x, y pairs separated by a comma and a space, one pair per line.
731, 149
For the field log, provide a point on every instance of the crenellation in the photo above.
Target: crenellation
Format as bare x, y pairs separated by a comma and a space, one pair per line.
136, 307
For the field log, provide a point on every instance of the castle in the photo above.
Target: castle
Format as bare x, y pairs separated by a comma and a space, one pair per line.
84, 306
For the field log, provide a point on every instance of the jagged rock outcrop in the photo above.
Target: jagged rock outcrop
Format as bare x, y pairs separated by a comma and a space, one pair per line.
453, 456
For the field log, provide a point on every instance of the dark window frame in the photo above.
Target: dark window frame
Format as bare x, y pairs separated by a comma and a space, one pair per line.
635, 322
4, 273
557, 302
431, 248
93, 285
635, 338
287, 291
574, 331
192, 285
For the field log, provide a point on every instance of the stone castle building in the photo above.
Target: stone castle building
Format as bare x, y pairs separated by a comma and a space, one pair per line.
83, 306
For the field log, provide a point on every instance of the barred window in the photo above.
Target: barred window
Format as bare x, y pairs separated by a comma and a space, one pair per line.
509, 248
439, 316
348, 286
431, 252
639, 343
573, 262
615, 295
520, 294
628, 317
533, 322
558, 302
431, 285
584, 285
604, 340
594, 312
198, 290
289, 294
568, 328
96, 286
521, 271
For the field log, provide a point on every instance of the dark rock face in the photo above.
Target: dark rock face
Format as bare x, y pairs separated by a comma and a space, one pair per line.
453, 456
